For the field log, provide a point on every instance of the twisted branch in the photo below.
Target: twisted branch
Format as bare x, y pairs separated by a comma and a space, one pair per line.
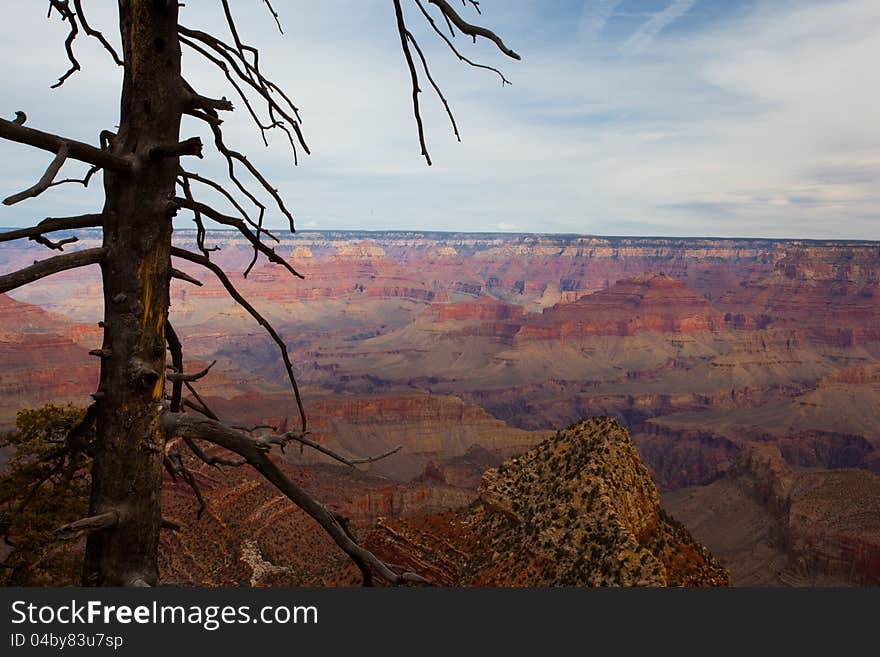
240, 300
256, 452
46, 181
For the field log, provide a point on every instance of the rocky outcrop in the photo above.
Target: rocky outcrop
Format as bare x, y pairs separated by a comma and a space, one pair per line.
578, 510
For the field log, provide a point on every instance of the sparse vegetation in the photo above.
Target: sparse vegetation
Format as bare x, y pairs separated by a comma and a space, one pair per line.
45, 485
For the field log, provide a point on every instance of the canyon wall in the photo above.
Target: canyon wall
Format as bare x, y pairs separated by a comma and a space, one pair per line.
467, 349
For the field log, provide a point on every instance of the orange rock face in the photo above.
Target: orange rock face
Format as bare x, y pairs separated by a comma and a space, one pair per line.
483, 310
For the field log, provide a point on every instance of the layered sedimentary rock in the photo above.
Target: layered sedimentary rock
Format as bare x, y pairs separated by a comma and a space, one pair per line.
829, 293
645, 303
43, 357
697, 345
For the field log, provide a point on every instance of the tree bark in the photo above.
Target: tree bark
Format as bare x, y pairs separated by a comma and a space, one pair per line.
136, 271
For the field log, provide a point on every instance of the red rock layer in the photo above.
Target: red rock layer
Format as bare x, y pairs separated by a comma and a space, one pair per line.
645, 303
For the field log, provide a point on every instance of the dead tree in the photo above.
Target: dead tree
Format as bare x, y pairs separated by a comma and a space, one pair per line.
140, 426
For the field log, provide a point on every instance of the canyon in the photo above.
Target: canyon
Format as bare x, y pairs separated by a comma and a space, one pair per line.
470, 349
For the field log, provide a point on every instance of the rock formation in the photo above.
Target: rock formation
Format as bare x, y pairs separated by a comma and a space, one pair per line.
578, 510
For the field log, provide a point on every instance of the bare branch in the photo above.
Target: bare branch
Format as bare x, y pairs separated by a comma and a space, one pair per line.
473, 31
226, 220
84, 181
414, 78
45, 182
51, 224
91, 524
55, 245
77, 150
181, 376
230, 288
248, 73
213, 461
63, 8
197, 101
437, 89
171, 525
234, 156
203, 407
50, 266
191, 146
295, 437
406, 39
176, 349
455, 50
187, 175
175, 465
183, 276
256, 453
95, 33
201, 233
274, 15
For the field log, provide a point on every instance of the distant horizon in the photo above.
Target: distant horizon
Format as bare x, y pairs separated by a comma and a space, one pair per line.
285, 233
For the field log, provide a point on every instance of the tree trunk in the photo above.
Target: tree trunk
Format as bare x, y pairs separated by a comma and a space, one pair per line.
136, 270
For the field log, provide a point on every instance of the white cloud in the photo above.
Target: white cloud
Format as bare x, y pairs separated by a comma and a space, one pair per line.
764, 124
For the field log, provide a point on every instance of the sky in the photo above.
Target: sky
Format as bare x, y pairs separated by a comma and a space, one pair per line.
730, 118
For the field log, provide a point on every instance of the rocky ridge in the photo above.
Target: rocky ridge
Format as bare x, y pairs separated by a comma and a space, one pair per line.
578, 510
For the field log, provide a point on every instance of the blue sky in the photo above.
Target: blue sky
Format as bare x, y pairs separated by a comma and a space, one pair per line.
635, 117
